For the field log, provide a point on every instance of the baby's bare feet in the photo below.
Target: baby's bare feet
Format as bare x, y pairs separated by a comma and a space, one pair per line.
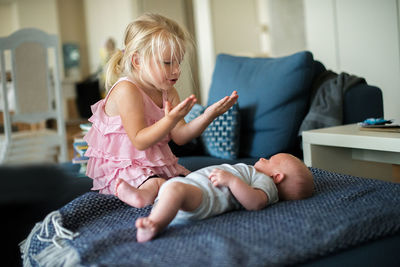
146, 229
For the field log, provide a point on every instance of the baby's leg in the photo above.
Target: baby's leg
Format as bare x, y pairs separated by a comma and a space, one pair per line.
139, 197
174, 197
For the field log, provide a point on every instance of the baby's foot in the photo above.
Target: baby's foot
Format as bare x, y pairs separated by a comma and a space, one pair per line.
146, 229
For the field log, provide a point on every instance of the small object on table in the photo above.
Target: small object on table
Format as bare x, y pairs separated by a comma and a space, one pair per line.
379, 124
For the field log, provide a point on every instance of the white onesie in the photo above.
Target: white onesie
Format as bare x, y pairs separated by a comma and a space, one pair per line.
217, 200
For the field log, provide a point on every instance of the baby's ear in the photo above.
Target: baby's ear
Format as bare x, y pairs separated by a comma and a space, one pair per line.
278, 177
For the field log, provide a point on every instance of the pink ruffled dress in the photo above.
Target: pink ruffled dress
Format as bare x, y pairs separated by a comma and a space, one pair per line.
112, 155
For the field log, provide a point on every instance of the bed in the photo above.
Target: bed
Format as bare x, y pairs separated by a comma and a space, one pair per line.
349, 220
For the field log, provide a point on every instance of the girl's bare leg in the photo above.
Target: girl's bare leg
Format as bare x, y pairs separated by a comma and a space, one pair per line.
139, 197
176, 196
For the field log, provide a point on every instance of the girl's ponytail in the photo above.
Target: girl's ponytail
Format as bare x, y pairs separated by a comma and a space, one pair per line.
113, 69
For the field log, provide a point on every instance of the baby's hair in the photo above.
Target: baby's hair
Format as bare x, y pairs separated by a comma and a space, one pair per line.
147, 37
300, 184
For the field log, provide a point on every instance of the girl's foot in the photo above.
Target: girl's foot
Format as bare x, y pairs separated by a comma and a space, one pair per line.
146, 229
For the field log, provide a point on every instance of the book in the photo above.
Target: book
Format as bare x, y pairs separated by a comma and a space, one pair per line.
80, 148
78, 137
393, 128
80, 160
85, 127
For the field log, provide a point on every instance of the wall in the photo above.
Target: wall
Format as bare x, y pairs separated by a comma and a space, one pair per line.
181, 12
18, 14
8, 18
360, 37
73, 30
41, 14
235, 27
285, 21
104, 19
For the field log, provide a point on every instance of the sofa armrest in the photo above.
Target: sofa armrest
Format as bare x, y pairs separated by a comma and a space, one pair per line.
362, 101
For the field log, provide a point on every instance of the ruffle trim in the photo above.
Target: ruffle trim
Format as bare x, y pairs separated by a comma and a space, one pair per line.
105, 173
105, 124
119, 147
155, 161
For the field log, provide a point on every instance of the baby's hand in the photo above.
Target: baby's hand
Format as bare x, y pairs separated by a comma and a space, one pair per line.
222, 105
220, 177
180, 110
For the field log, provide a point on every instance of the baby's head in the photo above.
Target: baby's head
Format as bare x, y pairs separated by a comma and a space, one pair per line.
150, 41
291, 176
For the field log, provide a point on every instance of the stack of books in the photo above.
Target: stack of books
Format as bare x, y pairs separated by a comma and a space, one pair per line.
80, 147
380, 125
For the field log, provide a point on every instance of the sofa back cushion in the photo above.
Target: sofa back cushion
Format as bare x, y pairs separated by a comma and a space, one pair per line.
273, 99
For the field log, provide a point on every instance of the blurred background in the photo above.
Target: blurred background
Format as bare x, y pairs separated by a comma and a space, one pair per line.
356, 36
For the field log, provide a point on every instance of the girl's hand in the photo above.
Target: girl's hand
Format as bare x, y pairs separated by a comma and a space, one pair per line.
179, 111
222, 105
220, 177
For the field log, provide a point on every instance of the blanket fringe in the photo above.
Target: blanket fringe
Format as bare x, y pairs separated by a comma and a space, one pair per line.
25, 244
55, 256
59, 253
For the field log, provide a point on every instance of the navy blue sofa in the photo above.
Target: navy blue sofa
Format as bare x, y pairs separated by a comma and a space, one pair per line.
274, 97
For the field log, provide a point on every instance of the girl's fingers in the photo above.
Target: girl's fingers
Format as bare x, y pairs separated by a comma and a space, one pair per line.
188, 101
224, 100
186, 105
167, 107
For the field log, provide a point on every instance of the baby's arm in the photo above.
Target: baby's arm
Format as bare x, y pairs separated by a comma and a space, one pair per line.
184, 132
250, 198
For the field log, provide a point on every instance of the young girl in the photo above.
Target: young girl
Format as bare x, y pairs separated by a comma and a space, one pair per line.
128, 149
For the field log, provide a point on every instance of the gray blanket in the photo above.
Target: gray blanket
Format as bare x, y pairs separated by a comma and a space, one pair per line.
327, 100
98, 230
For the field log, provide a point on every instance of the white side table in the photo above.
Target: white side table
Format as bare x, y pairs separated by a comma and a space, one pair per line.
348, 150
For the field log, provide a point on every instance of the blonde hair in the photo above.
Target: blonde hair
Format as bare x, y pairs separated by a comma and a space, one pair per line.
147, 37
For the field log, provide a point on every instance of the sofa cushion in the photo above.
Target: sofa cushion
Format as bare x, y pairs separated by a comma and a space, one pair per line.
273, 98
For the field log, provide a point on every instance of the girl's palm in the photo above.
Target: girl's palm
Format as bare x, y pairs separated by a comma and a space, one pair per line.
222, 105
180, 110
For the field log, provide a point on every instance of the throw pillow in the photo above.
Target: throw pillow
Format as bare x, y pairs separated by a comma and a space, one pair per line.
221, 138
273, 99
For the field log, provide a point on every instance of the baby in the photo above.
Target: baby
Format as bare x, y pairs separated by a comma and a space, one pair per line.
217, 189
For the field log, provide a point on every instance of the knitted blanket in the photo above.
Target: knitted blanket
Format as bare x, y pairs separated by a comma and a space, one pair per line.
98, 230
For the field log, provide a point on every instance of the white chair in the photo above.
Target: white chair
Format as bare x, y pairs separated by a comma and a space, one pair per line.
32, 58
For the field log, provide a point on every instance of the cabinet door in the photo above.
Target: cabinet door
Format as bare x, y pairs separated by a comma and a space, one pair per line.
368, 45
320, 28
